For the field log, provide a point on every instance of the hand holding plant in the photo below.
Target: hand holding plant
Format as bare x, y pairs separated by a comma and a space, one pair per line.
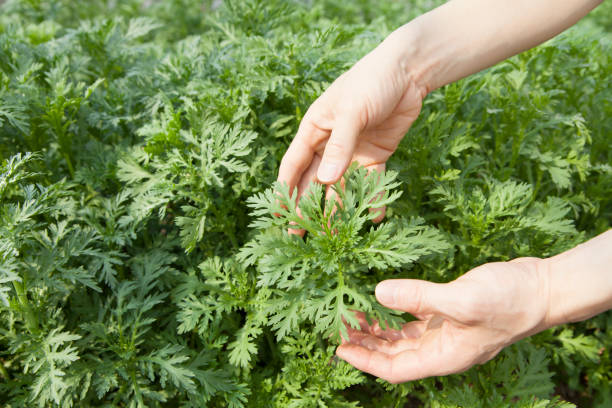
470, 320
461, 323
361, 117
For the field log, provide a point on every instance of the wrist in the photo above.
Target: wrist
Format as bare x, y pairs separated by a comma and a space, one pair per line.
430, 54
580, 281
403, 44
532, 301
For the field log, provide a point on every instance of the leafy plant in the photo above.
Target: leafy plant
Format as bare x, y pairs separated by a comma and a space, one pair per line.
144, 252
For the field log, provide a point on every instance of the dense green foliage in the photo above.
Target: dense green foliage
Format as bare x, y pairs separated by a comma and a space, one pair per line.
141, 260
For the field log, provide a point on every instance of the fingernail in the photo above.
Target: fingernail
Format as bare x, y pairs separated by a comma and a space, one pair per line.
385, 292
327, 172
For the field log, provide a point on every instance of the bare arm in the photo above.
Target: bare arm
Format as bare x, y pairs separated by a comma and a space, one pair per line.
580, 281
366, 112
463, 37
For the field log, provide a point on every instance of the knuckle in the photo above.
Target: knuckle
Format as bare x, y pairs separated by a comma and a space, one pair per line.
413, 296
470, 310
334, 147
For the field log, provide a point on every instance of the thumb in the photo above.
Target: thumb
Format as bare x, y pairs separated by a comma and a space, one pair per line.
414, 296
338, 151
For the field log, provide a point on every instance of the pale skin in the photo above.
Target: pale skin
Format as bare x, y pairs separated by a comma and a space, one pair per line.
364, 115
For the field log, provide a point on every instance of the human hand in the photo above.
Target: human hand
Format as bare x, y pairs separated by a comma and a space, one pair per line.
461, 323
361, 117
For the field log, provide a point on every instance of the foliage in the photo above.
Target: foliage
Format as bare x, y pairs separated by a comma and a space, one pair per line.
144, 253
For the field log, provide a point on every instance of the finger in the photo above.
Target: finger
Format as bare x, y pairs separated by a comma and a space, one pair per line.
361, 319
375, 343
373, 362
296, 231
411, 330
380, 212
416, 296
350, 336
300, 153
359, 316
373, 328
405, 366
309, 176
355, 336
425, 361
339, 150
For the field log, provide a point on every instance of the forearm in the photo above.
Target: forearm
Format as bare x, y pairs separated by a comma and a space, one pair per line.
463, 37
580, 281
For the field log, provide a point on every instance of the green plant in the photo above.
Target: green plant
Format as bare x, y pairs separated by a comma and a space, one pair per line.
144, 253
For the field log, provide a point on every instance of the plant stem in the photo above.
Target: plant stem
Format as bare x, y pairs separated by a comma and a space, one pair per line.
69, 164
29, 315
137, 393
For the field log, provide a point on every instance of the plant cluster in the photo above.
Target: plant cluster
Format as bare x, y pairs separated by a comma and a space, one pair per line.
144, 253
